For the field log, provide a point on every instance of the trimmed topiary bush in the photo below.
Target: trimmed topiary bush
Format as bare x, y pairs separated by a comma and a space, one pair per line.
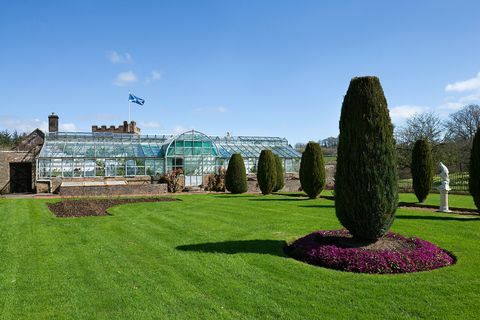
312, 170
474, 179
422, 169
280, 176
266, 172
366, 194
236, 176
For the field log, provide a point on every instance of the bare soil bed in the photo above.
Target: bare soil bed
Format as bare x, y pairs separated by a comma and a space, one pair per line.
337, 249
94, 207
428, 207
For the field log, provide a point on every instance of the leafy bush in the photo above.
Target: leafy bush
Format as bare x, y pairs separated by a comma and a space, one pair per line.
474, 179
312, 170
422, 169
366, 193
173, 180
280, 176
216, 181
266, 172
236, 177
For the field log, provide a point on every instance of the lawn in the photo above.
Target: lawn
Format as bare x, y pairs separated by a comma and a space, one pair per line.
218, 257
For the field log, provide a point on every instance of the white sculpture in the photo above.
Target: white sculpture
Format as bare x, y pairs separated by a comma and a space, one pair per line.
444, 188
445, 184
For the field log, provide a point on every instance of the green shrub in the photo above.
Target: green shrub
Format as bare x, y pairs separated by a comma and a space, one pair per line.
422, 169
266, 172
312, 170
216, 181
173, 180
366, 194
474, 179
236, 177
280, 176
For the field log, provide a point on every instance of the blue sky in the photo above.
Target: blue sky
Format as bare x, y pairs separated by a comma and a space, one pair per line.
277, 68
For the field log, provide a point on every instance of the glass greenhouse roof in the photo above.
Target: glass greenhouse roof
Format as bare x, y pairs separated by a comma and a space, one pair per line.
116, 145
250, 147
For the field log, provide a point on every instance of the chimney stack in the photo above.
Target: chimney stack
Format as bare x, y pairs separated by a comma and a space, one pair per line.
53, 123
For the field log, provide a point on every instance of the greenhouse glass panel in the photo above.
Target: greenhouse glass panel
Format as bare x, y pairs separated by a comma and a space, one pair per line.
67, 168
56, 168
44, 168
110, 168
89, 168
78, 165
100, 167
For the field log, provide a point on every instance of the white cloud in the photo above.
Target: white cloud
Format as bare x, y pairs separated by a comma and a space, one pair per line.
461, 94
154, 76
125, 78
116, 57
403, 112
22, 125
222, 109
459, 97
149, 124
466, 85
68, 127
449, 107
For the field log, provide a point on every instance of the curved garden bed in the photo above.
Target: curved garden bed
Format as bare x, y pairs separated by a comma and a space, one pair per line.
336, 249
94, 207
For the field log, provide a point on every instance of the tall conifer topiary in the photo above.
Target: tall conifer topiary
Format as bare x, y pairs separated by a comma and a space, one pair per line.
280, 176
236, 176
266, 172
312, 170
366, 194
422, 169
474, 178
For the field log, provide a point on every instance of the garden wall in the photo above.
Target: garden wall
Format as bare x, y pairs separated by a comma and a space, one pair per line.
113, 190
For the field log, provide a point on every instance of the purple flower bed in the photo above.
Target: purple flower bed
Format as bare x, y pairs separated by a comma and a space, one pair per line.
336, 249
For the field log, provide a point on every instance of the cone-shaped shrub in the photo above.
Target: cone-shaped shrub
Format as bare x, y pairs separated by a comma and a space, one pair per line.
236, 176
474, 180
312, 170
366, 178
280, 176
422, 169
266, 172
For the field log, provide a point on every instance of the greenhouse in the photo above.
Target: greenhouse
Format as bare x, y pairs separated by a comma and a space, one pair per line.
105, 154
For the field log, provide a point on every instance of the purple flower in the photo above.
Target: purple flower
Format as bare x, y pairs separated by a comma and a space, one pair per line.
327, 248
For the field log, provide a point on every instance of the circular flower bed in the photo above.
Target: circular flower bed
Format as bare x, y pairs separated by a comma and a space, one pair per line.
336, 249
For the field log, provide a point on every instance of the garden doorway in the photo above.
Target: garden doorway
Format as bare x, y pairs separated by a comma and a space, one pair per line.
20, 177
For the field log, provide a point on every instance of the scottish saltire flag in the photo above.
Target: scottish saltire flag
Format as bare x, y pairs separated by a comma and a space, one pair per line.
135, 99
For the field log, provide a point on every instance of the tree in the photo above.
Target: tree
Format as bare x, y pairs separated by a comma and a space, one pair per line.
236, 176
474, 177
5, 139
426, 126
280, 176
312, 170
463, 124
300, 146
366, 178
422, 169
266, 172
330, 142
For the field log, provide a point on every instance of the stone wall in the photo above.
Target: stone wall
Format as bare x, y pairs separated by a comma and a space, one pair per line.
116, 190
125, 128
